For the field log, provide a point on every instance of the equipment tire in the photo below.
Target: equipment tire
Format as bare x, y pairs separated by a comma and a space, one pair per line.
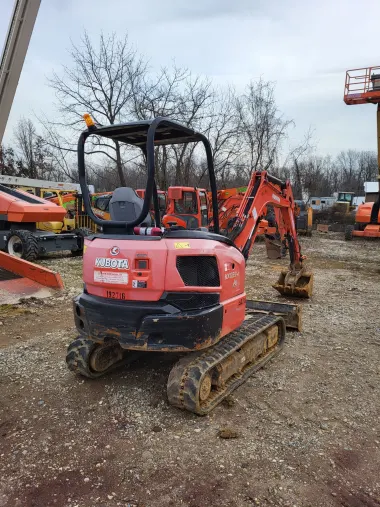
82, 232
27, 245
348, 235
78, 357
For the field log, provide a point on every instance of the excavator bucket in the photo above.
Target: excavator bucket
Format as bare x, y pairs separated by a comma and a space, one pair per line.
273, 248
297, 284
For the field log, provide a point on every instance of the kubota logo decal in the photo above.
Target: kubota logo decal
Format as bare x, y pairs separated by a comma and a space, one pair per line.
103, 262
115, 250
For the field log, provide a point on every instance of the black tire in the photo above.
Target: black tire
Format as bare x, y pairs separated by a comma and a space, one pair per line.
348, 235
82, 232
22, 244
78, 357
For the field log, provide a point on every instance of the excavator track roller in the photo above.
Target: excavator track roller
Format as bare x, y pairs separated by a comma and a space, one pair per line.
92, 360
200, 381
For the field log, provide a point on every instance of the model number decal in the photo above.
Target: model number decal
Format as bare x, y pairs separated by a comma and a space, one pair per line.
233, 274
112, 294
103, 262
276, 198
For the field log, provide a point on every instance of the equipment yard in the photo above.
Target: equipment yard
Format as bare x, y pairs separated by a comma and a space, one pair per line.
303, 431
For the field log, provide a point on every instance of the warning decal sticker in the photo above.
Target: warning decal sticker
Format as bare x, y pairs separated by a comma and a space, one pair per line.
110, 277
181, 245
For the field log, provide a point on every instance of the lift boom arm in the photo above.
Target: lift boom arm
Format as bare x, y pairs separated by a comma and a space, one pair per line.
12, 59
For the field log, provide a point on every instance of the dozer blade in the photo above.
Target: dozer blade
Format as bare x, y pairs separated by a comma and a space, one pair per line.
295, 284
23, 279
289, 312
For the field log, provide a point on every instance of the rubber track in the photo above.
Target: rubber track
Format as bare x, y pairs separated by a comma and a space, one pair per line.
186, 376
78, 358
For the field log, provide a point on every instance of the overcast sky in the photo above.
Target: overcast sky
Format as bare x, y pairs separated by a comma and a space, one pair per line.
305, 46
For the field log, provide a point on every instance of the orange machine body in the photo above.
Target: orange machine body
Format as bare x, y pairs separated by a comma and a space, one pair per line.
121, 277
363, 213
187, 207
162, 200
67, 198
365, 229
19, 206
229, 201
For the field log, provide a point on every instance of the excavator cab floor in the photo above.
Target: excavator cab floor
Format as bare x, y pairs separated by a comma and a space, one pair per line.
302, 287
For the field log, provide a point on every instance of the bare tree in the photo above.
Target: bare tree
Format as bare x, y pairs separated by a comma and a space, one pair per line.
8, 163
26, 145
222, 129
261, 124
177, 94
296, 155
368, 166
102, 80
347, 164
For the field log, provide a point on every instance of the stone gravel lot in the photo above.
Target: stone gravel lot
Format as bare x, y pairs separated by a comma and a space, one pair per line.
307, 425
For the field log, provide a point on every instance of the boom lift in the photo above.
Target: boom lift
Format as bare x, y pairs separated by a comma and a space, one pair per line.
362, 86
178, 290
64, 194
19, 236
18, 278
40, 225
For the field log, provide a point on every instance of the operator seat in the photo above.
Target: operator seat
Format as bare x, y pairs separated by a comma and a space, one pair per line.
125, 205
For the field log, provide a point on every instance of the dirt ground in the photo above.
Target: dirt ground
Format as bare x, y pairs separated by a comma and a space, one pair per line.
308, 424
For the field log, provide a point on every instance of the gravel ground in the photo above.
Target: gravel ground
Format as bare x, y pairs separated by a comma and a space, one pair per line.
306, 426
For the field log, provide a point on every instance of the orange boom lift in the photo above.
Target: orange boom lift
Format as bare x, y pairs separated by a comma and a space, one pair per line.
362, 86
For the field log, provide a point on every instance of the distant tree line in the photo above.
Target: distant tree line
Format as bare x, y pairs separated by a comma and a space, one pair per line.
115, 84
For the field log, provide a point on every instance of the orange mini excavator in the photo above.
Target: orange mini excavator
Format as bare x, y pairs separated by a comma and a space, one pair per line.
187, 207
191, 208
175, 289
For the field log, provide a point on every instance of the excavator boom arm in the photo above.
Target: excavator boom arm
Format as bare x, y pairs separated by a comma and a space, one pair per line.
262, 190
